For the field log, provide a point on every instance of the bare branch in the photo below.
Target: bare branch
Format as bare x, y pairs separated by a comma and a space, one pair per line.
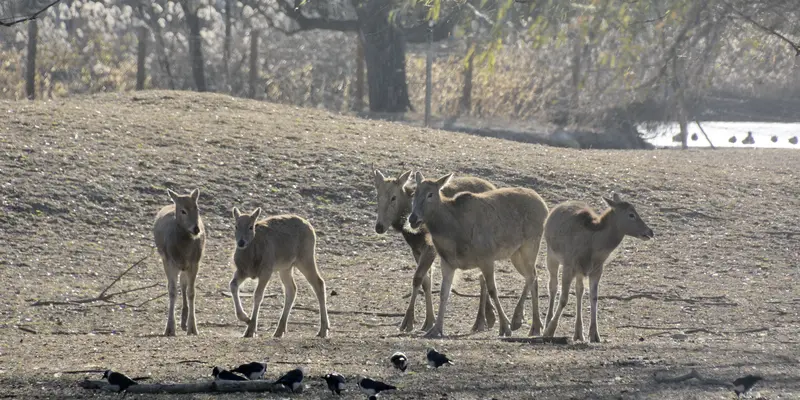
771, 31
28, 18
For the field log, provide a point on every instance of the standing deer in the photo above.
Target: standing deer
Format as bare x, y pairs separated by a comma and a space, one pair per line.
279, 243
473, 230
581, 241
180, 238
394, 205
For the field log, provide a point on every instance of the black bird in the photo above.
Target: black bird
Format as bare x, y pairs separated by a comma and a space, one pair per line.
225, 375
292, 380
119, 379
372, 387
436, 359
744, 384
254, 370
774, 139
400, 361
335, 382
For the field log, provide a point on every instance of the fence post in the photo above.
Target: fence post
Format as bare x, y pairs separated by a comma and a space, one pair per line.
253, 62
358, 104
428, 73
141, 56
30, 68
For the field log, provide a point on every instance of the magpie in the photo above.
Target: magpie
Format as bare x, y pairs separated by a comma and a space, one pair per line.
254, 370
292, 380
436, 359
335, 382
399, 361
225, 375
744, 384
118, 379
372, 387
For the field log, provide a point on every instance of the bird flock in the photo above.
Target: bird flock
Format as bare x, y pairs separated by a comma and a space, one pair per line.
293, 380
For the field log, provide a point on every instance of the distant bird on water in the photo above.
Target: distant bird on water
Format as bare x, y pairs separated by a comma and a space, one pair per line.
694, 136
749, 139
744, 384
774, 139
793, 140
732, 139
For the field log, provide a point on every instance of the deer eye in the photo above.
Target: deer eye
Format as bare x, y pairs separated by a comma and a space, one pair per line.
632, 216
183, 212
430, 195
394, 198
251, 227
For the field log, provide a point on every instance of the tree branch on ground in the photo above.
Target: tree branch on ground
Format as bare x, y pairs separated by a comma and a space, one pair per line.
185, 388
693, 374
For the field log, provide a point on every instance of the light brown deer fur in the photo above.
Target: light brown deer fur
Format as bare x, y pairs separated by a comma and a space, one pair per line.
180, 238
394, 205
581, 241
278, 243
473, 230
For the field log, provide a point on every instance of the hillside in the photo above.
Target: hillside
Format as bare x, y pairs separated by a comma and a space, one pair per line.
82, 179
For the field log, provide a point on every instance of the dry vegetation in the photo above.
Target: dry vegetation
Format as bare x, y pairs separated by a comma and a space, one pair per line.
83, 177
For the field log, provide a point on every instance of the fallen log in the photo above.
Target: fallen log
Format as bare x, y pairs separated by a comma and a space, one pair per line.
538, 340
185, 388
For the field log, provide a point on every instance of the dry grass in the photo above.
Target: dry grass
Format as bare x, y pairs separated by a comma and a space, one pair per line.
82, 179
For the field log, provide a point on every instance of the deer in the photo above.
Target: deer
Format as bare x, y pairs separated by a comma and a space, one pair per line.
394, 205
473, 230
279, 243
180, 239
580, 240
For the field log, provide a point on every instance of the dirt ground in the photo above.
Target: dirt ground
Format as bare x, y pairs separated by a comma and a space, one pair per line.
81, 180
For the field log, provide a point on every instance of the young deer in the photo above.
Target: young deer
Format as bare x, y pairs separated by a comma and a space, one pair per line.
473, 230
180, 238
581, 241
278, 243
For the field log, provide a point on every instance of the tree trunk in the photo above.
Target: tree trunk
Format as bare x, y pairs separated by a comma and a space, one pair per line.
385, 55
30, 68
195, 45
358, 104
226, 47
465, 105
253, 63
141, 54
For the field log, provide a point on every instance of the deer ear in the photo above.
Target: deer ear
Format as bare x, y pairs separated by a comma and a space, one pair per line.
403, 178
418, 178
172, 195
445, 179
256, 213
616, 198
236, 213
379, 178
610, 202
195, 194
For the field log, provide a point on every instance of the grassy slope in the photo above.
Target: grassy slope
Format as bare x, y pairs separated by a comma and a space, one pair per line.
82, 179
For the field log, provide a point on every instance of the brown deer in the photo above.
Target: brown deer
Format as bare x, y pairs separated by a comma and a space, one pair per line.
473, 230
394, 205
581, 241
278, 243
180, 239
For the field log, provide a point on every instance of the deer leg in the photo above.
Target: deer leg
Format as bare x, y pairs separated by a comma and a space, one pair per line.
289, 294
236, 281
594, 287
579, 309
422, 278
552, 268
184, 279
172, 291
488, 272
566, 282
480, 324
448, 273
258, 297
191, 321
489, 308
313, 275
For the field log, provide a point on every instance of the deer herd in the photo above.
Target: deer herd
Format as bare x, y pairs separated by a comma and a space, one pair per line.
467, 221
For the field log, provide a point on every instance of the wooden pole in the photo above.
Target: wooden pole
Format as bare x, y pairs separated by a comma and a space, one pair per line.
428, 73
30, 69
141, 56
184, 388
253, 62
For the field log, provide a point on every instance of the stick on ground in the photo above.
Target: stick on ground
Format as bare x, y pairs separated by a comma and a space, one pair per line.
185, 388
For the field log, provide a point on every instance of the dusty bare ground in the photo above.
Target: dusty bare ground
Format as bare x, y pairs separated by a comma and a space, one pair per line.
82, 179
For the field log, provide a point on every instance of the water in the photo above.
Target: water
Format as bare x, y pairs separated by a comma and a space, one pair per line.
719, 132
